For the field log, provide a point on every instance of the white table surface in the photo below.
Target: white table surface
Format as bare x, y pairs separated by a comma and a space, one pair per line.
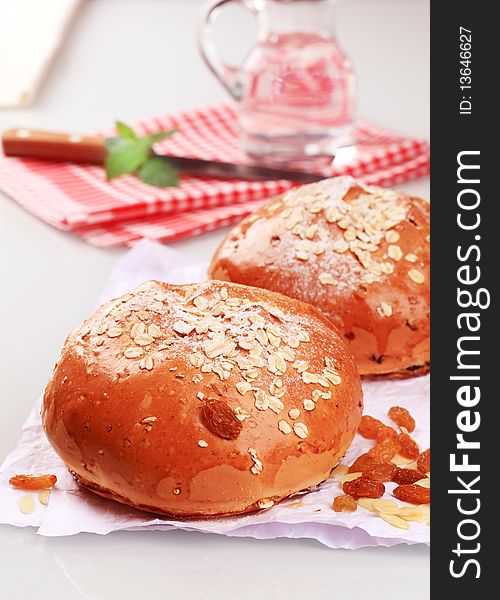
126, 59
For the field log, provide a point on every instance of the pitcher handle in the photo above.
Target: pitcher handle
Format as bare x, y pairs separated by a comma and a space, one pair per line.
226, 74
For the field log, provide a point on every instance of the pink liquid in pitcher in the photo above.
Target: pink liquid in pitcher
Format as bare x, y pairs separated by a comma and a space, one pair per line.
297, 98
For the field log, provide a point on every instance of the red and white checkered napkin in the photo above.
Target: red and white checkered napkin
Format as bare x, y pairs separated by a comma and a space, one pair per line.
78, 198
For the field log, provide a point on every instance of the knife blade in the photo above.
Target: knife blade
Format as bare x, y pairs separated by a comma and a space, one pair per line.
67, 147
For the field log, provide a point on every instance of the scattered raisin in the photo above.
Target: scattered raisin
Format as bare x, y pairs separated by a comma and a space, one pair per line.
220, 419
414, 494
385, 450
381, 471
33, 482
402, 417
363, 461
409, 447
368, 427
424, 461
344, 504
373, 429
362, 487
406, 476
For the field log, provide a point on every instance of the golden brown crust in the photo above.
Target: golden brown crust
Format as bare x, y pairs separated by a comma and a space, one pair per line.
360, 254
125, 405
110, 495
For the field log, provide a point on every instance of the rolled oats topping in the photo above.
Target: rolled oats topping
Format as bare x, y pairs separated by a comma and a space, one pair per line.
416, 276
101, 330
143, 339
367, 221
221, 336
385, 309
392, 236
133, 352
300, 430
154, 331
257, 467
146, 363
394, 252
148, 420
243, 387
182, 327
114, 332
197, 359
284, 427
261, 400
242, 414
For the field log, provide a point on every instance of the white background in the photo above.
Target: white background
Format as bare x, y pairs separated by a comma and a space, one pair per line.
128, 59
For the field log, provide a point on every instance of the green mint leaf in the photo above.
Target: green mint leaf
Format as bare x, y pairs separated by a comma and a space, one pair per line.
126, 157
112, 143
129, 153
157, 171
153, 138
125, 132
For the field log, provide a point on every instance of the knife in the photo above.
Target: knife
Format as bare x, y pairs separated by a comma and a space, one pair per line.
70, 147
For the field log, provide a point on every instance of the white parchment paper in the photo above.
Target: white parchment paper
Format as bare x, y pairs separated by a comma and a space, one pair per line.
72, 510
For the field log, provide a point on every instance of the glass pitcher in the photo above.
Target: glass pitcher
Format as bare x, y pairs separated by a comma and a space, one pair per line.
295, 89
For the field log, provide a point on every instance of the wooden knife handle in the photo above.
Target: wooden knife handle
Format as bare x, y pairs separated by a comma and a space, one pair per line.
49, 145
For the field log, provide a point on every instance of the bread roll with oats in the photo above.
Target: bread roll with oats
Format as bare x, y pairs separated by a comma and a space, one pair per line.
359, 253
202, 400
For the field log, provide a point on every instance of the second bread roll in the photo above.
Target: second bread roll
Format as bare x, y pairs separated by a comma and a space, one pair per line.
359, 253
